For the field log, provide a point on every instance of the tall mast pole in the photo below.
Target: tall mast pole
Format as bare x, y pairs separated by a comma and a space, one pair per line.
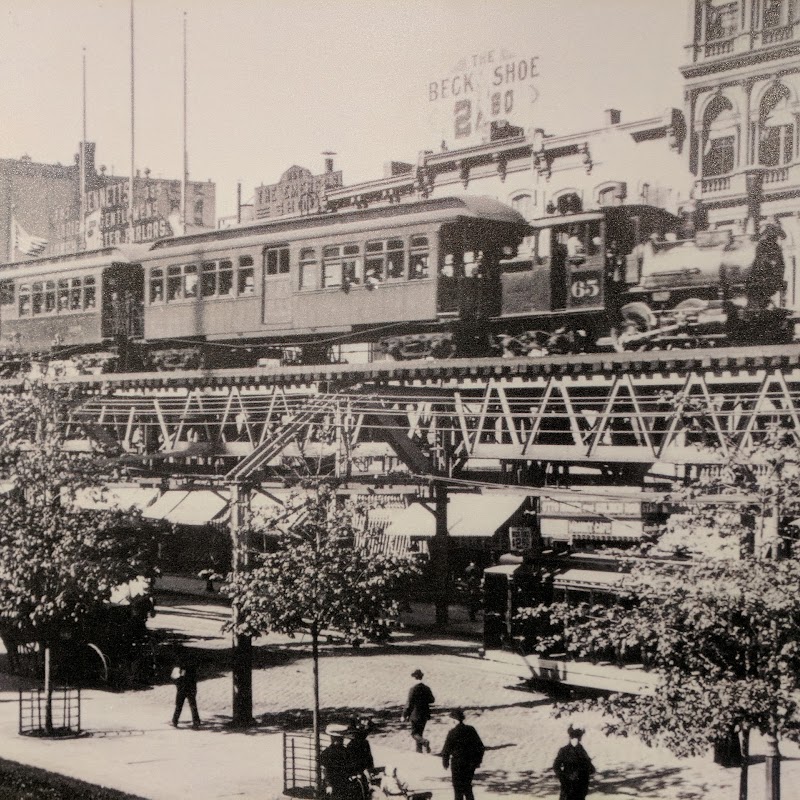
185, 184
82, 168
130, 188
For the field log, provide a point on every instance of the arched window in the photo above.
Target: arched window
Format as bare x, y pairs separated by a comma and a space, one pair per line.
524, 204
775, 128
569, 203
611, 195
721, 19
774, 13
720, 137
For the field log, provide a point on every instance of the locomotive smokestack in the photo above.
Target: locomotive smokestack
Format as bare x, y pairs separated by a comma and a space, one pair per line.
754, 181
328, 161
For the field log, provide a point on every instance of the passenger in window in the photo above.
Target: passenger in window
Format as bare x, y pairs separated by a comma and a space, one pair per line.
575, 250
372, 276
157, 293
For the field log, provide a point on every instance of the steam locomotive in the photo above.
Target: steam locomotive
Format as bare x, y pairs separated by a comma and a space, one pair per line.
451, 276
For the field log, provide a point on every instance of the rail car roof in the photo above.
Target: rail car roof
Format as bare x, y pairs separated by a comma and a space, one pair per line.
71, 262
438, 209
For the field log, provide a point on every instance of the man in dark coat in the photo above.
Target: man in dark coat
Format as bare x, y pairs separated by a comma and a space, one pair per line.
573, 767
185, 677
418, 711
336, 764
766, 274
462, 753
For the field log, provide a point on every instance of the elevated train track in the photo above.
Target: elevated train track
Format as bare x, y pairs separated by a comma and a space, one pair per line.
450, 416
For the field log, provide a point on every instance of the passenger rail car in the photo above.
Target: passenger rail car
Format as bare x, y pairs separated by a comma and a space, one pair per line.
403, 275
79, 302
439, 277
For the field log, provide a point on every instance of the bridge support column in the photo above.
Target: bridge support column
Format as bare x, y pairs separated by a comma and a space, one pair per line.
439, 556
242, 666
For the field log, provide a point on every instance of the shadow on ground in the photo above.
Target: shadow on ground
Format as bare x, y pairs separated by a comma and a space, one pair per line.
637, 782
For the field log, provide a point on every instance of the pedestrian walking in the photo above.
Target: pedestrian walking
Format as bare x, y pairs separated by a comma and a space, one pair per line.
462, 753
185, 676
418, 711
573, 767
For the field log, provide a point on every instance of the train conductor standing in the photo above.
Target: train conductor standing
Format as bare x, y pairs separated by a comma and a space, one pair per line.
418, 711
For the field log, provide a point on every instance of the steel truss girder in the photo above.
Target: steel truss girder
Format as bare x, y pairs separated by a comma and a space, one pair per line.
586, 418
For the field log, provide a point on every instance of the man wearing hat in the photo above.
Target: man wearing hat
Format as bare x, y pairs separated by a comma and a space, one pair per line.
573, 767
462, 753
418, 711
766, 274
335, 763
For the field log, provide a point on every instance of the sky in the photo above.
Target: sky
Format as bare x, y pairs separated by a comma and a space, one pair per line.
272, 83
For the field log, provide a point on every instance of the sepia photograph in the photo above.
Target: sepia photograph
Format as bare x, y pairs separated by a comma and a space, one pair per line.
400, 399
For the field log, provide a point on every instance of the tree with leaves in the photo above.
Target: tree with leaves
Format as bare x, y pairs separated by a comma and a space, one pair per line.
322, 578
720, 626
58, 564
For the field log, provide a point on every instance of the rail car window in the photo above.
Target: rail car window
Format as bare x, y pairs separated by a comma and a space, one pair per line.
217, 278
419, 261
24, 301
157, 285
174, 281
89, 293
37, 296
63, 294
247, 278
190, 281
276, 261
309, 269
385, 260
50, 297
340, 263
6, 293
75, 294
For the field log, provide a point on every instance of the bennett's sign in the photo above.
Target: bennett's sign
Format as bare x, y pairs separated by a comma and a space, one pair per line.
297, 192
483, 88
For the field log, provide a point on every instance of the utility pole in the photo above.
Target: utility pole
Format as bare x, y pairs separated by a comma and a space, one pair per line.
439, 556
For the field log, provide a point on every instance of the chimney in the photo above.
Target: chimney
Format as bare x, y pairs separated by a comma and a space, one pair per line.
613, 116
328, 160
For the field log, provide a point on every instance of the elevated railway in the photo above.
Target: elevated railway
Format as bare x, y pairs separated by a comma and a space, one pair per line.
448, 416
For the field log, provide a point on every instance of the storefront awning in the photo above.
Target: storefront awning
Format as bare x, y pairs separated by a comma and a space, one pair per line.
588, 579
199, 507
166, 503
468, 515
123, 497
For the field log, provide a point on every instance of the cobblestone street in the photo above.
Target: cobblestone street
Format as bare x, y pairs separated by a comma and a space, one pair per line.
132, 746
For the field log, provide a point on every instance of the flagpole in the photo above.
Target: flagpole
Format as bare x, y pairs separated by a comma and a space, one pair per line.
185, 183
130, 191
82, 166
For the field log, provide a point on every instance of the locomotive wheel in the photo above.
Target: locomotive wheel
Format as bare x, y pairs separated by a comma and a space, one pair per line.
636, 318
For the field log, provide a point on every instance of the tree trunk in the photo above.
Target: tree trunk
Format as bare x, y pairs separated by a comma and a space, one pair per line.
773, 765
48, 694
744, 745
317, 749
242, 675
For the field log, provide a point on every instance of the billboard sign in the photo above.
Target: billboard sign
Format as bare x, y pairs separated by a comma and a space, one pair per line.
480, 89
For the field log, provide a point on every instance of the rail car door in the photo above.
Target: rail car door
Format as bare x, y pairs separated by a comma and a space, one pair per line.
577, 265
123, 302
277, 286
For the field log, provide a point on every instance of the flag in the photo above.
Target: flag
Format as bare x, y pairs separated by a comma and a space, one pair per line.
25, 243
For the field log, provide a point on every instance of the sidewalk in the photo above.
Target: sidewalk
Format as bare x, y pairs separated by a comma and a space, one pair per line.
132, 747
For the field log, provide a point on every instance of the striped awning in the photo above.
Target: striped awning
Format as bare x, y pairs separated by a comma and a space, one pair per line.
468, 516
